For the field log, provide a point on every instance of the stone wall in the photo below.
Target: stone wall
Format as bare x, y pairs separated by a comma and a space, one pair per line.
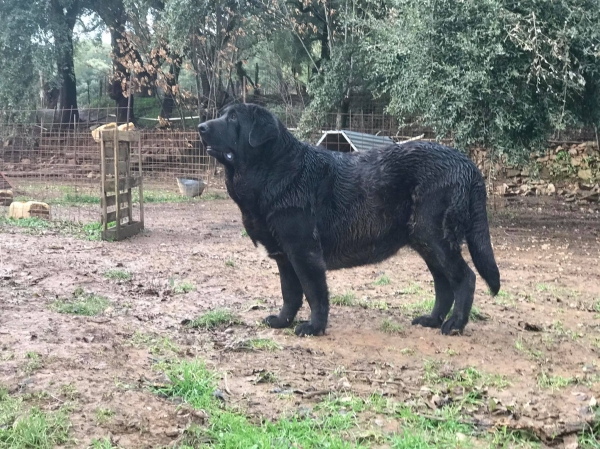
571, 170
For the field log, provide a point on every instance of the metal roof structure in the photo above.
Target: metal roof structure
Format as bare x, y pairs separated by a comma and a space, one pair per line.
348, 141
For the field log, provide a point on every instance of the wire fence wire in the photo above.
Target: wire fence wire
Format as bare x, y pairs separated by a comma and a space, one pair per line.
48, 155
58, 163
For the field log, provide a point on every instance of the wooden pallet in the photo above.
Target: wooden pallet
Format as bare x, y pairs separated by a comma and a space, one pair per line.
117, 183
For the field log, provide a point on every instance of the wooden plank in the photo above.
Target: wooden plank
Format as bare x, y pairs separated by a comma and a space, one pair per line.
124, 136
123, 153
111, 200
141, 199
117, 217
130, 207
124, 184
125, 231
112, 216
103, 185
122, 168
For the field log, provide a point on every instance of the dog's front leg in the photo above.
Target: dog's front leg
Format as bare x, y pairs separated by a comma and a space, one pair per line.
291, 290
295, 231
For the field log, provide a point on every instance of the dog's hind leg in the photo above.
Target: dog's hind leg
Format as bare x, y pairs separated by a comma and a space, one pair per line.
453, 278
462, 279
292, 293
444, 297
453, 281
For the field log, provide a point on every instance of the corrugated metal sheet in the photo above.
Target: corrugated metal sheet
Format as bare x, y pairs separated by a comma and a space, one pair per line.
339, 141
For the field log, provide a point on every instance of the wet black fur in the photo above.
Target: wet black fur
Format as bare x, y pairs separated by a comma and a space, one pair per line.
316, 210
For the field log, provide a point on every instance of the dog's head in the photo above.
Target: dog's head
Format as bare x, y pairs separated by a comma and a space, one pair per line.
240, 134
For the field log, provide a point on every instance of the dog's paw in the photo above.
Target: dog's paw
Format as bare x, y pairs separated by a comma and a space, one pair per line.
306, 328
453, 326
276, 322
427, 321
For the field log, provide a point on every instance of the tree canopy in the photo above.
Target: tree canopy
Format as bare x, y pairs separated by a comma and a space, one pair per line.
501, 73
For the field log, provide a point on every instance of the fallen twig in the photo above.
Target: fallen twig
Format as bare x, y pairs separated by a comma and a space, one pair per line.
312, 394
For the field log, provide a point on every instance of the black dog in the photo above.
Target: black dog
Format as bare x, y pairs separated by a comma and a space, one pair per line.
314, 209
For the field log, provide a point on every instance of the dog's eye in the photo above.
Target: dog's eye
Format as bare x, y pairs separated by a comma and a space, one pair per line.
233, 116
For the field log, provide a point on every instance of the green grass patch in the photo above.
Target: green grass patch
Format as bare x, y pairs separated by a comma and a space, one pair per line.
181, 287
22, 428
412, 289
332, 423
86, 304
77, 198
156, 345
117, 275
384, 279
418, 308
551, 382
521, 346
104, 443
390, 327
260, 344
214, 319
34, 362
420, 432
468, 378
195, 384
103, 415
36, 226
230, 263
559, 329
347, 299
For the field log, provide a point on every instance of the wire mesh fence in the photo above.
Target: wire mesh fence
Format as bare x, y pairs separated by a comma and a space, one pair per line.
52, 156
58, 163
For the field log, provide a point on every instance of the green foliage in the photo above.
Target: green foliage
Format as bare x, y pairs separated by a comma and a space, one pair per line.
87, 304
92, 65
347, 299
213, 319
21, 428
25, 51
500, 73
196, 385
117, 275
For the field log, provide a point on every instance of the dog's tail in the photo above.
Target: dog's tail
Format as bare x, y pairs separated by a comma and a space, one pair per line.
478, 237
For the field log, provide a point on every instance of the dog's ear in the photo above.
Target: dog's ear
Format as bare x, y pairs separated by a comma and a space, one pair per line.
264, 127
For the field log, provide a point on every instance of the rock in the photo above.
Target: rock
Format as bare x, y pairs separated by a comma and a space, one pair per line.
551, 189
584, 174
582, 186
512, 172
172, 433
591, 197
573, 152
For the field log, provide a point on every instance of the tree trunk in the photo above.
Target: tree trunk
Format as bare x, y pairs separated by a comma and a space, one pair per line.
64, 23
118, 89
172, 80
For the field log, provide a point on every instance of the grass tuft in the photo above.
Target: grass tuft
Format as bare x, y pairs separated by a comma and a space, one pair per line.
117, 275
22, 428
390, 327
347, 299
213, 319
384, 279
86, 304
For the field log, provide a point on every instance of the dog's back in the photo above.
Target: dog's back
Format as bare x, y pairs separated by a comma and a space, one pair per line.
364, 202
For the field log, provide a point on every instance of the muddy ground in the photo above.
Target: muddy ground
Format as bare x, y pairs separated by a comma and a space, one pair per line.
540, 336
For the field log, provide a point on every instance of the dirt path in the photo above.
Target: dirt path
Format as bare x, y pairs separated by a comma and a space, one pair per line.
534, 347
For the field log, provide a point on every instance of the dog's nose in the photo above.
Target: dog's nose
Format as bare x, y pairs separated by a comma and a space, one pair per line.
202, 128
